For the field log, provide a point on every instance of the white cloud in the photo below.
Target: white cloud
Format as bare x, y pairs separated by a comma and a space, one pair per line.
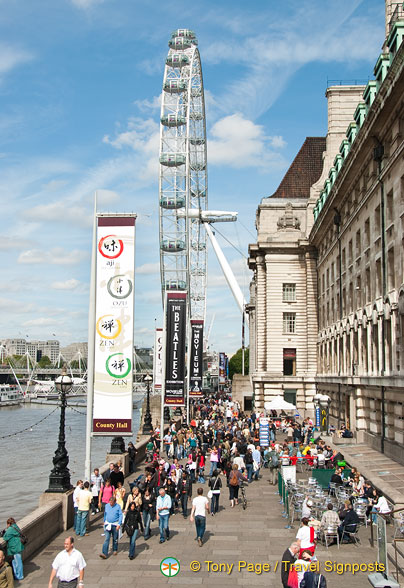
41, 322
66, 285
13, 243
60, 212
239, 142
11, 57
149, 105
86, 4
148, 269
14, 306
56, 256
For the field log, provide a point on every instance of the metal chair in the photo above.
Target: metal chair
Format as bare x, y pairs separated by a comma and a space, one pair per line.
331, 532
352, 535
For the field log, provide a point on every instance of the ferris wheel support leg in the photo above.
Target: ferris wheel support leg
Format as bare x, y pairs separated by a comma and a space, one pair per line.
227, 271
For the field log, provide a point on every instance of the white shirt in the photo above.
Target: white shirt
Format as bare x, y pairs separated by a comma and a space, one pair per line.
304, 535
96, 484
382, 505
200, 503
240, 462
68, 566
76, 495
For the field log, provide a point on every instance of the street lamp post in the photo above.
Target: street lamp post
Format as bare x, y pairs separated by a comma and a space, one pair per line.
59, 479
147, 423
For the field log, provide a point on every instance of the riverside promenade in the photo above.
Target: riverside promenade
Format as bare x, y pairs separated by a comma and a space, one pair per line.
254, 536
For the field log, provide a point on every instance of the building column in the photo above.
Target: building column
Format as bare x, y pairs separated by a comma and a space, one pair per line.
360, 350
261, 318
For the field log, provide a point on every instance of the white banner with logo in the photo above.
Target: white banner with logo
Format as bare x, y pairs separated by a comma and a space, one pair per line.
113, 362
158, 359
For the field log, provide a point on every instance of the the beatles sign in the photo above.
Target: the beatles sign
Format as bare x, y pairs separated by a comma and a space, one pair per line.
174, 383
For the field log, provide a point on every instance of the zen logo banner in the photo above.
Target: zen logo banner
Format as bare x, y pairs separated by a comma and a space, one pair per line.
176, 311
196, 359
158, 359
113, 379
222, 368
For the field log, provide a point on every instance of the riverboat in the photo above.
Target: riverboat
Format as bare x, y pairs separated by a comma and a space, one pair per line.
10, 395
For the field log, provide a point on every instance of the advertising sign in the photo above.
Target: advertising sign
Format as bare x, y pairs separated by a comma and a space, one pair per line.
264, 432
174, 385
222, 368
113, 379
158, 359
196, 358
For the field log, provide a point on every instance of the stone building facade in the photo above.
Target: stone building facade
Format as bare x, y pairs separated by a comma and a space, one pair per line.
341, 243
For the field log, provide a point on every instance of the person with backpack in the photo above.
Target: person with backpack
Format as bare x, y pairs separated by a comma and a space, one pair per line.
249, 464
235, 479
215, 484
14, 539
273, 462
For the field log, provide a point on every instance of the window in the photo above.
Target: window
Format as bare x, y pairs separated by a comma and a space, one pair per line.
289, 292
378, 284
389, 208
367, 233
358, 243
289, 322
390, 269
289, 362
377, 220
350, 255
290, 396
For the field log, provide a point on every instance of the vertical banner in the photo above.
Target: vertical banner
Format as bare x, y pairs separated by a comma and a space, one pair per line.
175, 344
158, 359
196, 359
264, 432
113, 378
222, 369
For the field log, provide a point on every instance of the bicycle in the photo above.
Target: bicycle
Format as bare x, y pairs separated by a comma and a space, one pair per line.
243, 496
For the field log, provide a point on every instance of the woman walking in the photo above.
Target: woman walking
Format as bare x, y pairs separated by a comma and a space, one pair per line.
215, 484
133, 521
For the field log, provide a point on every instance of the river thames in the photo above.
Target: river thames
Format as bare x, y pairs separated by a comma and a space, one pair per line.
26, 458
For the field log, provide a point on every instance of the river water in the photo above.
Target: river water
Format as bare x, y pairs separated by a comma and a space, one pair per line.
26, 458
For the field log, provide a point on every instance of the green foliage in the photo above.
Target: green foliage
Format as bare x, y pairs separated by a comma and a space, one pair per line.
44, 362
235, 363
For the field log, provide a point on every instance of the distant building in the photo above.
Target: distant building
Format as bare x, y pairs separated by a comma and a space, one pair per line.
36, 349
72, 351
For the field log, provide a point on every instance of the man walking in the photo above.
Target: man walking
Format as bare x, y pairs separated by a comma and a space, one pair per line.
288, 558
84, 500
256, 455
200, 506
163, 506
96, 483
112, 523
68, 566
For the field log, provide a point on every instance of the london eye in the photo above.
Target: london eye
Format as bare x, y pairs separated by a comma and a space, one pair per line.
183, 192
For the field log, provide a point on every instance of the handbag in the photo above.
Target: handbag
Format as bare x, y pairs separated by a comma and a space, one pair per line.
210, 494
293, 581
23, 538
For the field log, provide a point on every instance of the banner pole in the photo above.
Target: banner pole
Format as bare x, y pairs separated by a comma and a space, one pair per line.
91, 347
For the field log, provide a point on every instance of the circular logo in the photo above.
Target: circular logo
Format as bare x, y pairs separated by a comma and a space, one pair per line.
118, 366
108, 327
119, 286
169, 566
110, 246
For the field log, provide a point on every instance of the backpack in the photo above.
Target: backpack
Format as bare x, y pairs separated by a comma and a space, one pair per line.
233, 481
274, 460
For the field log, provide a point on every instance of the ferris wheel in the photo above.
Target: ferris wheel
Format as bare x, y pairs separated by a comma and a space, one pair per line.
183, 192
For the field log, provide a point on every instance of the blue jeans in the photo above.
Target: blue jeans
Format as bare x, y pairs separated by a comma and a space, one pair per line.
76, 508
114, 533
213, 467
257, 474
132, 543
180, 451
184, 504
200, 524
214, 506
81, 524
163, 526
146, 523
17, 566
249, 467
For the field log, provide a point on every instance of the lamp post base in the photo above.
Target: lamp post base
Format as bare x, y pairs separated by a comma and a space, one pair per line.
59, 483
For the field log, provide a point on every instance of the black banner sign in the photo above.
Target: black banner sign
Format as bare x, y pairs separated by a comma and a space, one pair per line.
195, 386
176, 312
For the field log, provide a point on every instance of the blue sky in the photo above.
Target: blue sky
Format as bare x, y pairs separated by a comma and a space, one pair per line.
80, 82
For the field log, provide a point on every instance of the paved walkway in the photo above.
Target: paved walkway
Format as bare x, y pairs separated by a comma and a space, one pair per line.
255, 536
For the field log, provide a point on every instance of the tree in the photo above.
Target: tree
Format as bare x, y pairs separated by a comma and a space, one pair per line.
235, 363
44, 362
